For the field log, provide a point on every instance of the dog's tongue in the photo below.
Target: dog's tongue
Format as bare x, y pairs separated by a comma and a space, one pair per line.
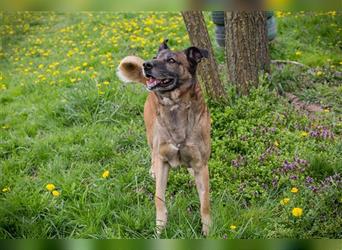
151, 82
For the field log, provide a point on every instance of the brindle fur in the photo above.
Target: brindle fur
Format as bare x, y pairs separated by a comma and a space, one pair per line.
177, 127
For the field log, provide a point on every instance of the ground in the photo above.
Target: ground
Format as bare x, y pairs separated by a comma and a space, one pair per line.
73, 154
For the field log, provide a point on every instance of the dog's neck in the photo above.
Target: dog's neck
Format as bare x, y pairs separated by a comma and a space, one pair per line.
180, 110
181, 95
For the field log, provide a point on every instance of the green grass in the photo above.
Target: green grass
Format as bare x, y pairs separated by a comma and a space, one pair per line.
65, 118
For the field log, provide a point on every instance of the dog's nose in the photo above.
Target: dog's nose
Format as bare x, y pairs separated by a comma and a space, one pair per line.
147, 65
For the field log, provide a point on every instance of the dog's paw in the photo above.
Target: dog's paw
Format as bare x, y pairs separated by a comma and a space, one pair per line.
206, 224
205, 230
160, 226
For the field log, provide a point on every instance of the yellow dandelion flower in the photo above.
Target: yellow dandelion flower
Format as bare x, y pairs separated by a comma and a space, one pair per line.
279, 14
284, 201
304, 134
56, 193
148, 22
276, 143
326, 110
319, 73
294, 190
85, 64
105, 174
297, 212
233, 227
50, 187
2, 86
332, 13
106, 83
40, 66
6, 189
298, 53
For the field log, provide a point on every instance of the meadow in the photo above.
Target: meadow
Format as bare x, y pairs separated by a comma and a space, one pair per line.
74, 159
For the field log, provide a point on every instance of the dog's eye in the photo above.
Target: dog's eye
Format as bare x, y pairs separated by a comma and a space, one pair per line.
171, 60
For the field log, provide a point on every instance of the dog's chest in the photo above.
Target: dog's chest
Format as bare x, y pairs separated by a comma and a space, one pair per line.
177, 135
175, 123
187, 153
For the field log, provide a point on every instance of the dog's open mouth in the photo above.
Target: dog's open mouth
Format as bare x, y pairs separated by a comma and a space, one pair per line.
154, 83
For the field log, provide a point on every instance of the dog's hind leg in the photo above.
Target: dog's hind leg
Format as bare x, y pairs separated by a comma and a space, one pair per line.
152, 171
191, 172
161, 173
202, 185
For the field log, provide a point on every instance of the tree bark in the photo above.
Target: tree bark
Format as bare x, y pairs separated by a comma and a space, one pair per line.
207, 70
246, 48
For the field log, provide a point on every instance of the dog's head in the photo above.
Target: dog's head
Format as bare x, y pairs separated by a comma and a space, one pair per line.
171, 69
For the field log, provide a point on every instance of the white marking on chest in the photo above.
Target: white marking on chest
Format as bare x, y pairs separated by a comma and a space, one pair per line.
173, 146
174, 107
167, 101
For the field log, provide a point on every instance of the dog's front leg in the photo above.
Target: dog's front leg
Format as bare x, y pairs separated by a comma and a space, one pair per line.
202, 184
161, 173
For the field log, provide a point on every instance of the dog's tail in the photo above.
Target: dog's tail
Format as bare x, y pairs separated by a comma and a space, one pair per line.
131, 70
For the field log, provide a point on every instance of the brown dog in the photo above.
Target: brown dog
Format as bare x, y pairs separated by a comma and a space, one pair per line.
177, 121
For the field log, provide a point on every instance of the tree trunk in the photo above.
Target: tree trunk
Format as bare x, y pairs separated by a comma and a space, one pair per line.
246, 48
207, 70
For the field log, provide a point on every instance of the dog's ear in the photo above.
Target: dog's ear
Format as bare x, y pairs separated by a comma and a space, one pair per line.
195, 54
131, 70
163, 45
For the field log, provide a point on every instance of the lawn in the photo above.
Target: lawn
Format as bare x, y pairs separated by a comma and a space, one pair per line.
67, 120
